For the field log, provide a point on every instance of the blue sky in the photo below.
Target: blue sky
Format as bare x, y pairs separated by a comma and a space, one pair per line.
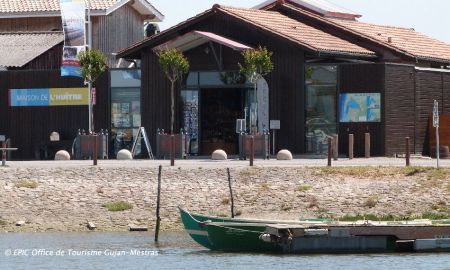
430, 17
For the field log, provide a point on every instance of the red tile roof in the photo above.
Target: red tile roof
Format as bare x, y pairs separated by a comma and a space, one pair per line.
404, 39
296, 31
13, 6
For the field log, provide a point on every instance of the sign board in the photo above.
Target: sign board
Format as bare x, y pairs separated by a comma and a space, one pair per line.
48, 97
240, 126
275, 124
142, 135
436, 114
359, 107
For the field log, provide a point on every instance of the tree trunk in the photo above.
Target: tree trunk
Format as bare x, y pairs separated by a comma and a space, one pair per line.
172, 98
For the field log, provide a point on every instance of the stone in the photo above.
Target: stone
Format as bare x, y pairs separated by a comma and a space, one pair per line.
136, 228
62, 155
219, 155
91, 226
124, 154
284, 155
20, 223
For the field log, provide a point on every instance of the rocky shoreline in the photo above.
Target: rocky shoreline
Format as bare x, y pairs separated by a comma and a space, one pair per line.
67, 198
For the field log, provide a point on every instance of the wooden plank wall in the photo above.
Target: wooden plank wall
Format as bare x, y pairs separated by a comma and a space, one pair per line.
285, 82
31, 24
117, 31
429, 87
51, 59
28, 127
362, 78
399, 108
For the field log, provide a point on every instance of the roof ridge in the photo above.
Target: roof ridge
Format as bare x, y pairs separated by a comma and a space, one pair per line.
31, 32
368, 23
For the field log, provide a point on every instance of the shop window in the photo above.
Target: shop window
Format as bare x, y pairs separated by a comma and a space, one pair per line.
125, 109
189, 99
320, 104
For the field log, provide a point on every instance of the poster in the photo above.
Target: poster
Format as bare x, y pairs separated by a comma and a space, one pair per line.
73, 14
263, 104
359, 107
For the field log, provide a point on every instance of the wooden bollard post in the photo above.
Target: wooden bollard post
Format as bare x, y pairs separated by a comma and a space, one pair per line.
407, 152
158, 199
95, 137
4, 154
231, 192
367, 145
330, 142
335, 146
172, 150
351, 143
252, 149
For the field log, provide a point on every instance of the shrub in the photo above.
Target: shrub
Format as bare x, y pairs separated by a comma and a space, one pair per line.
25, 183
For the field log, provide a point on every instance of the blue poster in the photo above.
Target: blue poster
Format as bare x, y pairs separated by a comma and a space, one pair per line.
29, 97
359, 107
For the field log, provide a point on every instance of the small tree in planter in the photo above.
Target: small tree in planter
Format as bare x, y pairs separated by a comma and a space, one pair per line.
257, 64
174, 64
93, 64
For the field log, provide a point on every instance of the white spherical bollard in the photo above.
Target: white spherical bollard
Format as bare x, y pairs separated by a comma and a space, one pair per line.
124, 154
219, 155
62, 155
284, 155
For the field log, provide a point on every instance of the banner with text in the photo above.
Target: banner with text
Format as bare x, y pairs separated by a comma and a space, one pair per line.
48, 97
73, 14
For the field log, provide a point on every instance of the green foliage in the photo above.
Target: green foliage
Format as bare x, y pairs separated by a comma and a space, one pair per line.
303, 188
25, 183
257, 62
92, 63
3, 223
173, 63
117, 206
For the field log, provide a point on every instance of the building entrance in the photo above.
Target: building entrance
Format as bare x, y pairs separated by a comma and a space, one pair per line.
220, 107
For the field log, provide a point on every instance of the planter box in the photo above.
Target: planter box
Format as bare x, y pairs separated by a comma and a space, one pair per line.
261, 145
163, 145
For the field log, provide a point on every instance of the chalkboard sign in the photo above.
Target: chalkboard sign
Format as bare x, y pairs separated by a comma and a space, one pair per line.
142, 135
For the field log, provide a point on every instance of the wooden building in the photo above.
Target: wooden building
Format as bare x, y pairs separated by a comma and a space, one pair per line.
31, 42
323, 64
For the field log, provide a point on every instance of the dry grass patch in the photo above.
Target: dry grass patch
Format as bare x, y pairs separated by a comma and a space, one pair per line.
3, 223
225, 201
371, 202
357, 171
303, 188
26, 183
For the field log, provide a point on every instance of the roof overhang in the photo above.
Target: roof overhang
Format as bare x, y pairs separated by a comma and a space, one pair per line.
196, 38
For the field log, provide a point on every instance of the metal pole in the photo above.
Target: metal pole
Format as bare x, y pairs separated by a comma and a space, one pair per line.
273, 142
408, 155
367, 145
335, 146
252, 149
330, 142
350, 145
4, 154
231, 193
158, 199
172, 150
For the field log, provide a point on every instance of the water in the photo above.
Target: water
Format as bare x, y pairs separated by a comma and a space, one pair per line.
177, 251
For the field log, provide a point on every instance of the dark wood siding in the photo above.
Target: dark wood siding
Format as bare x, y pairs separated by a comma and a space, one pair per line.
31, 24
50, 59
362, 78
117, 31
29, 127
286, 92
446, 92
428, 88
399, 108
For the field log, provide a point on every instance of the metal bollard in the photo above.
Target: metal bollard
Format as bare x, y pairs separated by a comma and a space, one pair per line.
4, 154
330, 142
408, 154
335, 146
95, 137
351, 142
367, 145
252, 149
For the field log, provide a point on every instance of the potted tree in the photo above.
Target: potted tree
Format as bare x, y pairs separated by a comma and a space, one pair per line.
92, 64
174, 64
257, 64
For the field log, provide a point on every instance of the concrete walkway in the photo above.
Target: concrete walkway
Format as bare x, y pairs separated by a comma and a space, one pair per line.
232, 163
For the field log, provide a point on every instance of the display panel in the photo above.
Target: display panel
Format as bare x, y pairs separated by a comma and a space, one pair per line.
359, 107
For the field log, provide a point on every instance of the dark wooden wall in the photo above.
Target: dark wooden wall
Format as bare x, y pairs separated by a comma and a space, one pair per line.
29, 127
50, 59
31, 24
399, 108
362, 78
285, 82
